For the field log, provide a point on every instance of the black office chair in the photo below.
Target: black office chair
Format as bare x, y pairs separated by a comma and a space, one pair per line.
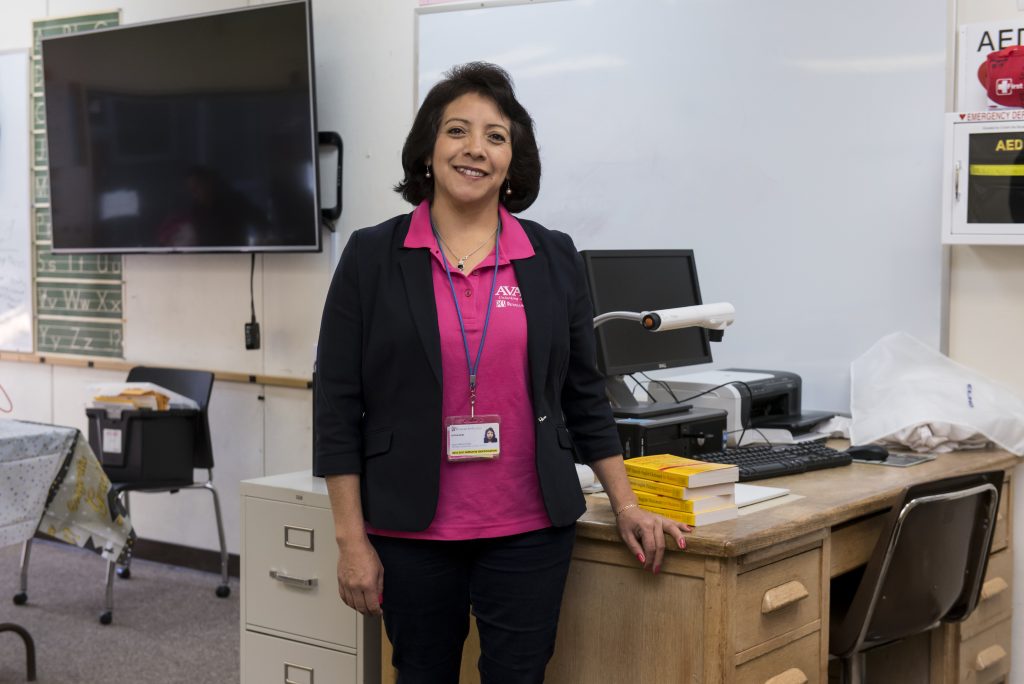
927, 568
167, 476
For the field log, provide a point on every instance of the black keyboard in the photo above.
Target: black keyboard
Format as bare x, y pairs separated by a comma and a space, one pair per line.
762, 461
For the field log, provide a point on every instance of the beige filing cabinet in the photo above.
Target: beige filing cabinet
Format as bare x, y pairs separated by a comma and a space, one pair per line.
295, 628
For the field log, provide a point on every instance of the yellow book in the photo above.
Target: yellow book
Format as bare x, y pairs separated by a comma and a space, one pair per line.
640, 484
681, 471
692, 505
695, 519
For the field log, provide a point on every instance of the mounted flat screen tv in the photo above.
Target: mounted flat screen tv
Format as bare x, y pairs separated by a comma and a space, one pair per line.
191, 135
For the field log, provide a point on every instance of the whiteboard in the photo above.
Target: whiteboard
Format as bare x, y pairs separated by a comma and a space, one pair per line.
795, 146
15, 224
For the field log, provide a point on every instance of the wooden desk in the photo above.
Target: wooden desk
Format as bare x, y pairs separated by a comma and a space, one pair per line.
748, 600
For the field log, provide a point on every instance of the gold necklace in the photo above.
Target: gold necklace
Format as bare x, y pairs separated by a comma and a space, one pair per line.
461, 265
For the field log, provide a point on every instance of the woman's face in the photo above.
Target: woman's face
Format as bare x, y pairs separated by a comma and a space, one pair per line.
472, 152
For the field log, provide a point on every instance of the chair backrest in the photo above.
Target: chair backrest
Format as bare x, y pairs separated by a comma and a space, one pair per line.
195, 385
927, 566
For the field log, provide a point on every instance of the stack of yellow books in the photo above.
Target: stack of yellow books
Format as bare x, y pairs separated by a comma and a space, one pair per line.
692, 492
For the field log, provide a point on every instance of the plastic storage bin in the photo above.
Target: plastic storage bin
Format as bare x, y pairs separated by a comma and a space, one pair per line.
144, 445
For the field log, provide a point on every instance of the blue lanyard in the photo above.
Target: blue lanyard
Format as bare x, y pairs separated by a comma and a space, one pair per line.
473, 367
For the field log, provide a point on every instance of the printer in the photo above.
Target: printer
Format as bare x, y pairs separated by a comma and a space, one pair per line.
750, 398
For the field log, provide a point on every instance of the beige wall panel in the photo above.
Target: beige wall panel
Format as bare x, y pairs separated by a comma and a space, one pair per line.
28, 391
987, 311
189, 310
288, 431
71, 393
294, 287
187, 518
133, 11
16, 22
986, 323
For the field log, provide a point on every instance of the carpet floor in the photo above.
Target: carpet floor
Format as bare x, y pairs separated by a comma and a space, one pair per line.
168, 625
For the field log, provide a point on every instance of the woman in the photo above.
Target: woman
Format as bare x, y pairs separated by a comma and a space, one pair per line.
416, 360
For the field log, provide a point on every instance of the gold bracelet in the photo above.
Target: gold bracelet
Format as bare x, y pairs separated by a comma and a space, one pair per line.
625, 508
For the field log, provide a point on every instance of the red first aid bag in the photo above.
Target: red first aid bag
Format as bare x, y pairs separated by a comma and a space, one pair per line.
1002, 75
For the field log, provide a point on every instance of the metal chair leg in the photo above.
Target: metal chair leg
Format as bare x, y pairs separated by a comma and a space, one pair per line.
223, 591
107, 617
22, 596
30, 648
125, 571
853, 668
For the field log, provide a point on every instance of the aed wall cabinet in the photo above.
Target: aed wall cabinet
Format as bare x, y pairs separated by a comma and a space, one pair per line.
983, 194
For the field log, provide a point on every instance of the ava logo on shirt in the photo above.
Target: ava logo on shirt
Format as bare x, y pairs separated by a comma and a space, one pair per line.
508, 296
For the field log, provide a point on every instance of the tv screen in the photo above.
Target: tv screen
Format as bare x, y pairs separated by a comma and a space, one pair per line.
191, 135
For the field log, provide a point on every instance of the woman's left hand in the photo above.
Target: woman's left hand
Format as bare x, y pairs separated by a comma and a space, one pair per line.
644, 533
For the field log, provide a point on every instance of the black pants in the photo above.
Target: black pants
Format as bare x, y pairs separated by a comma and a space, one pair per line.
513, 584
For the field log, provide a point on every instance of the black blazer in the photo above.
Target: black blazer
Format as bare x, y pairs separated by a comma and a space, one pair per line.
378, 394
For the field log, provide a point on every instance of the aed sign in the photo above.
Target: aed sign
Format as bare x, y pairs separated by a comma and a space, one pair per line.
976, 43
1010, 145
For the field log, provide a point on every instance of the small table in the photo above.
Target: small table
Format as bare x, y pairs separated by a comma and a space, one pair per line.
51, 482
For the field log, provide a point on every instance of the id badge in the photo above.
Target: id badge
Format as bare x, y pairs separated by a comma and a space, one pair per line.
473, 438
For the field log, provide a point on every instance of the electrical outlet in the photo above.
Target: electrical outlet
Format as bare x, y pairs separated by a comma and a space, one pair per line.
252, 335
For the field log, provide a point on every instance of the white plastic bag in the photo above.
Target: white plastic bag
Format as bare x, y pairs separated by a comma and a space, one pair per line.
903, 392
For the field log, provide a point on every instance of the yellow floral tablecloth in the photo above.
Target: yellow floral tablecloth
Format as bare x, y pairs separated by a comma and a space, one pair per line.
51, 481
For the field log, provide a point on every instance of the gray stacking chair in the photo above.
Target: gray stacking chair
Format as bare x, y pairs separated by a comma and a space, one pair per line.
927, 568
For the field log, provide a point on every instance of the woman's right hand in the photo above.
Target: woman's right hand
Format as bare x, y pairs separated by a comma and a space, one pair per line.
360, 576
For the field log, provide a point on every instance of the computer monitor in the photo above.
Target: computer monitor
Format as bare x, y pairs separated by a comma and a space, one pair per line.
644, 280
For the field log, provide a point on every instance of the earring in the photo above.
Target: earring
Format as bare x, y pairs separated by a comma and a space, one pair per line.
428, 170
508, 187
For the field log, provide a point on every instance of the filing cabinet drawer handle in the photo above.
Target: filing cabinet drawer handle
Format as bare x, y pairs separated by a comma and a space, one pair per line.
783, 595
293, 581
793, 675
989, 657
994, 587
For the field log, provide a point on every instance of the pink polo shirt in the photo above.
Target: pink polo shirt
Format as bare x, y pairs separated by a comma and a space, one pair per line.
501, 497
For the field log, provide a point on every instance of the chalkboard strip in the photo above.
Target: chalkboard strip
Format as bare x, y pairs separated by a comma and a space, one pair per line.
79, 298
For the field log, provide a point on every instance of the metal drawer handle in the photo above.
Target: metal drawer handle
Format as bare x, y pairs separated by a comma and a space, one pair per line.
989, 657
783, 595
793, 675
993, 587
293, 581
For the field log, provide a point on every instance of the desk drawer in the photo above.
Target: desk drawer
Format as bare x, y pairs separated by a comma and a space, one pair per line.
794, 663
985, 658
777, 598
995, 603
1001, 535
270, 660
297, 544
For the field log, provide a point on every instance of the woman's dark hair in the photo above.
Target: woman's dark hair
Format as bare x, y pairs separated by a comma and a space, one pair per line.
489, 81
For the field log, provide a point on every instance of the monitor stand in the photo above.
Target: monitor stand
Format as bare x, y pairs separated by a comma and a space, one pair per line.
625, 405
